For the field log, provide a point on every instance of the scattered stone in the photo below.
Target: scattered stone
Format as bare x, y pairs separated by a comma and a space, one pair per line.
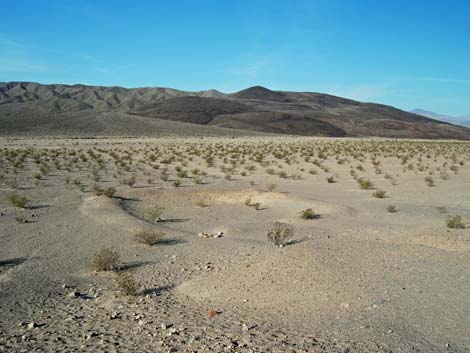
32, 325
209, 235
166, 326
74, 294
172, 331
114, 315
247, 327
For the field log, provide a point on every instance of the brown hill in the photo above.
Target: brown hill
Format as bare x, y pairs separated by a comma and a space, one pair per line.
27, 107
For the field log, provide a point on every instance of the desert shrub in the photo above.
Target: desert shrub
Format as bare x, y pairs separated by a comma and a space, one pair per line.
365, 184
308, 213
429, 181
280, 233
379, 194
127, 284
331, 179
109, 192
270, 171
131, 181
105, 260
392, 208
17, 200
202, 203
247, 201
97, 190
149, 236
20, 219
455, 222
182, 174
271, 187
155, 213
197, 180
176, 183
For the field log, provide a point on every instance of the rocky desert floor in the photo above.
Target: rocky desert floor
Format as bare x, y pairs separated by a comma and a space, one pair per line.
160, 245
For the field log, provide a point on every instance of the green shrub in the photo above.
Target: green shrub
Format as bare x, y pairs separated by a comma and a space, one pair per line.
308, 214
17, 200
365, 184
379, 194
127, 284
105, 260
280, 234
149, 236
455, 222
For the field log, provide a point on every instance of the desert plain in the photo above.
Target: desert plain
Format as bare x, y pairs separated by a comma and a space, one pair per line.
160, 245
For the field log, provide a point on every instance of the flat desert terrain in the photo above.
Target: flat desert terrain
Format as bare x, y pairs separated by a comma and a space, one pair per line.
247, 244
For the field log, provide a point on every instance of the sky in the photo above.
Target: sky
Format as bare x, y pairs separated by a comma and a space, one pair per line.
409, 54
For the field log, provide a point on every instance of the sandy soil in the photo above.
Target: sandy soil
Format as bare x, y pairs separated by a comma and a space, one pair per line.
355, 278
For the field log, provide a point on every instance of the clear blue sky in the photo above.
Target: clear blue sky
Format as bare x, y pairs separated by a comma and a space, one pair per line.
405, 53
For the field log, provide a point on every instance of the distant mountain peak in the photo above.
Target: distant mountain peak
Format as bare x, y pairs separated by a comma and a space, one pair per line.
463, 120
260, 92
27, 107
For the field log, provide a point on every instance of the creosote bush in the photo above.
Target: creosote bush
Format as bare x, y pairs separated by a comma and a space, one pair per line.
308, 213
365, 184
127, 284
17, 200
392, 208
280, 234
455, 222
105, 260
109, 192
131, 181
271, 187
155, 213
331, 180
379, 194
149, 236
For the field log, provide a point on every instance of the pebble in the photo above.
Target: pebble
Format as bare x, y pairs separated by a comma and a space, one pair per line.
74, 294
32, 325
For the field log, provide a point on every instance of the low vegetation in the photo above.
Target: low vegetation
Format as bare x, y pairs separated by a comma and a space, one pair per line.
280, 234
17, 200
105, 260
127, 284
308, 213
455, 222
149, 236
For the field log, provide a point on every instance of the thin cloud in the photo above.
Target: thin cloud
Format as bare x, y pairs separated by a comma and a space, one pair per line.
359, 92
17, 59
434, 79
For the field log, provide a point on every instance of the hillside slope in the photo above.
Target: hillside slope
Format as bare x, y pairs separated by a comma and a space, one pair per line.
83, 110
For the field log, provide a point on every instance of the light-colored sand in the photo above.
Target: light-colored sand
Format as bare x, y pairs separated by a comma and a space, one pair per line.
356, 278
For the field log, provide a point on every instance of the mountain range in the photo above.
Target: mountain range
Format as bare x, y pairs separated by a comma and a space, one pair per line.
463, 120
28, 108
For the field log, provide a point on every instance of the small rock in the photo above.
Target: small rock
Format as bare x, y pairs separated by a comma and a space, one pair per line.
166, 326
74, 294
247, 327
32, 325
114, 315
